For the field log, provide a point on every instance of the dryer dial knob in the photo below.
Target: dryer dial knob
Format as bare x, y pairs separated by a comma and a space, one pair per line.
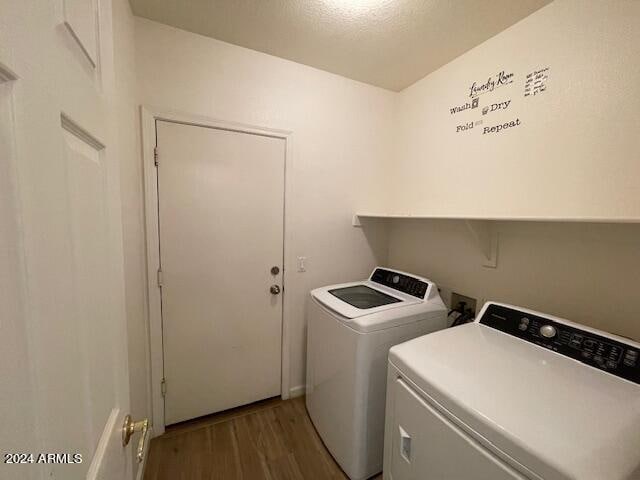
548, 331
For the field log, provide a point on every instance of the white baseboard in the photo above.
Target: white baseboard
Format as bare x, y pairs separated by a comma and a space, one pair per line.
143, 464
296, 391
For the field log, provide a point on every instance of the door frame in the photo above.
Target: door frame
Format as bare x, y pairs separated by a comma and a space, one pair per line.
149, 116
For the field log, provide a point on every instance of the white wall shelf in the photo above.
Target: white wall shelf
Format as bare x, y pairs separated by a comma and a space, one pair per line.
356, 222
483, 230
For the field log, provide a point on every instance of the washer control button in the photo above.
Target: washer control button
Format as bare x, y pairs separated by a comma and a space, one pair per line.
630, 358
548, 331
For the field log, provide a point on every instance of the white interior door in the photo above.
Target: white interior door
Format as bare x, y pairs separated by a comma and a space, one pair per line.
221, 206
63, 344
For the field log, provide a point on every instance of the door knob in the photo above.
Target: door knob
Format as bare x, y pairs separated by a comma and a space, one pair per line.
275, 289
129, 428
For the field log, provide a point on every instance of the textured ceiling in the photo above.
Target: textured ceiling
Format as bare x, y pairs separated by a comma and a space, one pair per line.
388, 43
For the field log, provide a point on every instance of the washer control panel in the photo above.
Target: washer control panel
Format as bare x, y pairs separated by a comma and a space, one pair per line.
599, 351
401, 282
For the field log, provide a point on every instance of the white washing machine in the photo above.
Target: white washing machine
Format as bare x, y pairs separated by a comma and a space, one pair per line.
515, 395
350, 330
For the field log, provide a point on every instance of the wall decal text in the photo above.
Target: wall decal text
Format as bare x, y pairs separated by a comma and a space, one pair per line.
474, 104
502, 126
536, 82
496, 81
465, 127
496, 106
492, 106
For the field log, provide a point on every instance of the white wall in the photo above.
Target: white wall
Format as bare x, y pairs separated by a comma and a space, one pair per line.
341, 144
575, 154
588, 273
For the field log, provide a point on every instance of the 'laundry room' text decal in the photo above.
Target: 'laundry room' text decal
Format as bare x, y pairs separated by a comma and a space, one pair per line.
498, 101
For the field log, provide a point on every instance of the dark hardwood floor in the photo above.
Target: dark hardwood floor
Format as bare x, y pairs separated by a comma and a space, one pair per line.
271, 440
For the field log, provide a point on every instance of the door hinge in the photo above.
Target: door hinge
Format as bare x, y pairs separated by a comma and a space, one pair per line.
163, 387
155, 156
159, 278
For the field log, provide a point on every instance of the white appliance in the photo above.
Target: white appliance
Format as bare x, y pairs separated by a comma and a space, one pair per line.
350, 330
515, 395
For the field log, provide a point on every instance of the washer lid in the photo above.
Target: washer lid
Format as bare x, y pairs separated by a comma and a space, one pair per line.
363, 296
556, 416
356, 299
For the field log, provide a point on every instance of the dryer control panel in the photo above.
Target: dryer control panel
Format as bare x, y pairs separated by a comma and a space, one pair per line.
401, 282
598, 351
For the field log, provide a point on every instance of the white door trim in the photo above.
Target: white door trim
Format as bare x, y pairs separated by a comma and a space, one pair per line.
149, 116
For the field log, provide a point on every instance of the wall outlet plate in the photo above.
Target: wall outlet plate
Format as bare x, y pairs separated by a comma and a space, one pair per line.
301, 264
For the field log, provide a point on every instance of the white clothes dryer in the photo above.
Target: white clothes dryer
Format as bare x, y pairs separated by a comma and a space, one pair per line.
517, 394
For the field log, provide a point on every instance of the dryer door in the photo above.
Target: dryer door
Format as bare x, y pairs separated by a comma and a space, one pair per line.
428, 446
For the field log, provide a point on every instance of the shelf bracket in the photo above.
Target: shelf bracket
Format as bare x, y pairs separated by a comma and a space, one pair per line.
355, 221
486, 237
